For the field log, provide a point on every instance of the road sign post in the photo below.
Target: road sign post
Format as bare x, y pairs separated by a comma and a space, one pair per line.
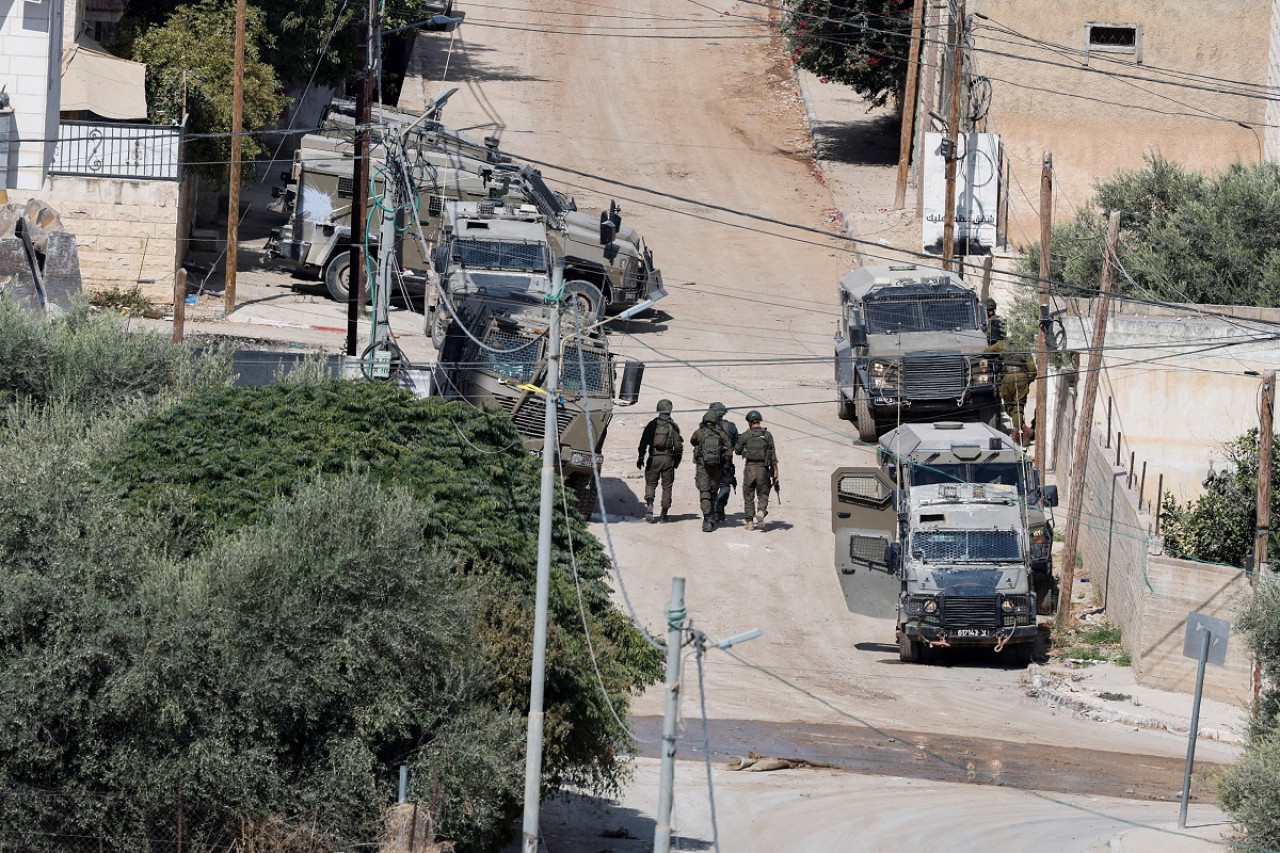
1205, 642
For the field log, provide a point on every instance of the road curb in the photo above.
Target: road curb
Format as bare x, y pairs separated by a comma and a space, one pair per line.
1040, 687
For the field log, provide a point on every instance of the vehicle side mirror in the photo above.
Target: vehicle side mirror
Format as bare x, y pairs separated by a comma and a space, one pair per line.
857, 336
608, 229
1049, 495
893, 555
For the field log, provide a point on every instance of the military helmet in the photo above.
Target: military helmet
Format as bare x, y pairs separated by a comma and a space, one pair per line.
710, 417
664, 406
719, 408
989, 303
753, 417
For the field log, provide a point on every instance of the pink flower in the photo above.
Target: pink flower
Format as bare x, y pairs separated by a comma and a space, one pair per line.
824, 79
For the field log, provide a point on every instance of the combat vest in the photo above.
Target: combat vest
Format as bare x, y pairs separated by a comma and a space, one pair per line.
666, 436
755, 446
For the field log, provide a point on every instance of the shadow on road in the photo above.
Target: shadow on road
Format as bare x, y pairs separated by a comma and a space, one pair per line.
867, 141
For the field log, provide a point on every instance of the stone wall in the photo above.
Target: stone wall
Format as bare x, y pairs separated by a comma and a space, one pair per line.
1147, 594
130, 233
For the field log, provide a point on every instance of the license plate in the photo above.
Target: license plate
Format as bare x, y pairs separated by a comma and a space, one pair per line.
970, 632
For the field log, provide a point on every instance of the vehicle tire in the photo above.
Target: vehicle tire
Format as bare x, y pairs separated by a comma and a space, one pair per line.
586, 298
583, 487
337, 276
844, 411
1025, 653
1046, 589
862, 414
439, 323
909, 650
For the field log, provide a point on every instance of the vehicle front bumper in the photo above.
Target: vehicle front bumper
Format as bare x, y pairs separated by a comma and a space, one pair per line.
955, 637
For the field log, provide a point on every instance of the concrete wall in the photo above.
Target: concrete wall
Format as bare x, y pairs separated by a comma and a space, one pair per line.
130, 233
1097, 123
1177, 383
30, 70
1149, 595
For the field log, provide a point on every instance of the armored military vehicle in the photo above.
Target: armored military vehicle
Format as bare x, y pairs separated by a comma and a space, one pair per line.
495, 264
446, 165
917, 455
909, 347
949, 561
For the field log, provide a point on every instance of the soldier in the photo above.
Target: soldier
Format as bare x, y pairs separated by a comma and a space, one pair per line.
1018, 371
760, 472
728, 477
662, 440
995, 325
711, 452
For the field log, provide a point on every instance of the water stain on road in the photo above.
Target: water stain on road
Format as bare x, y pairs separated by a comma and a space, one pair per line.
943, 758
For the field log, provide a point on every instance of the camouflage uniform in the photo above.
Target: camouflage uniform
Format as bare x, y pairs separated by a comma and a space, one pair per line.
1018, 371
761, 470
663, 460
729, 476
710, 466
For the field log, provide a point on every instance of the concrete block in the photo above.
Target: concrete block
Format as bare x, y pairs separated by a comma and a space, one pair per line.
16, 280
62, 270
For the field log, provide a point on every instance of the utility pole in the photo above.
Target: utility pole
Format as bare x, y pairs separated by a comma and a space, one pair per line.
360, 184
907, 144
666, 779
1084, 424
237, 146
550, 452
1041, 419
953, 136
1262, 533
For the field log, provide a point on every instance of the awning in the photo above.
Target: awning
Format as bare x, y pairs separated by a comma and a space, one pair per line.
95, 80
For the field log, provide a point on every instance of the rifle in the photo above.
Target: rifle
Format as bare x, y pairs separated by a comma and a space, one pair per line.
777, 486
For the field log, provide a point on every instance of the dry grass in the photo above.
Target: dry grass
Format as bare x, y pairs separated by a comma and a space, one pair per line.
409, 828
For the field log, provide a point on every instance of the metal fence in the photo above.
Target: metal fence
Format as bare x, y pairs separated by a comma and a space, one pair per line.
106, 150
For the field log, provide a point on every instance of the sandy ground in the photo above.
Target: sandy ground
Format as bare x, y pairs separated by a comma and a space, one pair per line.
690, 118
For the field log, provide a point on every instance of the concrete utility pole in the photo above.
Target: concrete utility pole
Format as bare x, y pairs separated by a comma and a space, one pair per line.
237, 146
1084, 424
953, 136
671, 713
907, 145
360, 185
1041, 419
550, 452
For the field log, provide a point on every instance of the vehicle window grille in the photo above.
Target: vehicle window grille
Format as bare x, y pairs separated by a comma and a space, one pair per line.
868, 549
502, 255
513, 360
921, 313
344, 188
966, 546
595, 379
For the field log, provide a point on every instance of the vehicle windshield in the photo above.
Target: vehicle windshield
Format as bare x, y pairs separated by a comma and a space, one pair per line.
591, 374
988, 473
920, 314
512, 356
966, 546
500, 255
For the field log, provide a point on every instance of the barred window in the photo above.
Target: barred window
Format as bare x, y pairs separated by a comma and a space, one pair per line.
514, 360
593, 380
966, 546
989, 473
496, 254
920, 314
1113, 38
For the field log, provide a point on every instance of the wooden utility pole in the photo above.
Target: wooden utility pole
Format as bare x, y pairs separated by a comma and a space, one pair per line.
1265, 432
360, 184
179, 304
907, 145
233, 192
953, 136
1084, 424
1041, 419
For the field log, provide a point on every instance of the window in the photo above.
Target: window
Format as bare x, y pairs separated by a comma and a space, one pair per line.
966, 546
920, 314
1110, 38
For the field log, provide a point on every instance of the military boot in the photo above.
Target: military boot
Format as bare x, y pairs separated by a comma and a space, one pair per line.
664, 519
760, 519
707, 524
648, 511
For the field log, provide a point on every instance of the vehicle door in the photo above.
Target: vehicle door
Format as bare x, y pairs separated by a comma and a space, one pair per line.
864, 521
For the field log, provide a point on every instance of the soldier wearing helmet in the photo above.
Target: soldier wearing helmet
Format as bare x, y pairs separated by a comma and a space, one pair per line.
995, 325
712, 452
729, 476
760, 472
662, 441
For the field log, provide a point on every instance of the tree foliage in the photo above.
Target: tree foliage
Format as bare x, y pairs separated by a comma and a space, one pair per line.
195, 47
860, 43
276, 596
1184, 236
1218, 526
